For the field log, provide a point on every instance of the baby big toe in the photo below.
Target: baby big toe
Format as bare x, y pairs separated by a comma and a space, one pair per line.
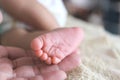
36, 44
39, 53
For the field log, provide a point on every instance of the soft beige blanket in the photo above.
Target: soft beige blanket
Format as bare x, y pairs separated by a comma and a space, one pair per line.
100, 54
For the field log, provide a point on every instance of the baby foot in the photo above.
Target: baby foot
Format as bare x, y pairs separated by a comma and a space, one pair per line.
54, 46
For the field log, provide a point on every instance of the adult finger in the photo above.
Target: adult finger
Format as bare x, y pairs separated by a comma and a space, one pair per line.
14, 52
6, 71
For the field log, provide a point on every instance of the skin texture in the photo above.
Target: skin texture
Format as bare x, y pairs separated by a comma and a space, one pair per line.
51, 47
54, 46
13, 67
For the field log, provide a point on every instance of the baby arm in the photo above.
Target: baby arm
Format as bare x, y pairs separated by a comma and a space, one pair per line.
30, 12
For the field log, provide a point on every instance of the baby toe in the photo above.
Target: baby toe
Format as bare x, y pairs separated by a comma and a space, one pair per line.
44, 56
48, 61
39, 53
55, 60
36, 44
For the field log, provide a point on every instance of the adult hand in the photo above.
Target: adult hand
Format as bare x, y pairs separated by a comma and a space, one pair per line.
18, 64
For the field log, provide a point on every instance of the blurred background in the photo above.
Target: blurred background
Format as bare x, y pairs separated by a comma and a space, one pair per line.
99, 12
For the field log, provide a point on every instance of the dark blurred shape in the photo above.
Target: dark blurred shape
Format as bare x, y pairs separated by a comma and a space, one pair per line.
106, 12
111, 16
79, 8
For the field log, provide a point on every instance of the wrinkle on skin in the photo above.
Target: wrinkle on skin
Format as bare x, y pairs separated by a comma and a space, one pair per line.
34, 69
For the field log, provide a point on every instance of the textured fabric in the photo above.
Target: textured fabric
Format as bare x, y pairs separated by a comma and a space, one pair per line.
100, 54
57, 8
